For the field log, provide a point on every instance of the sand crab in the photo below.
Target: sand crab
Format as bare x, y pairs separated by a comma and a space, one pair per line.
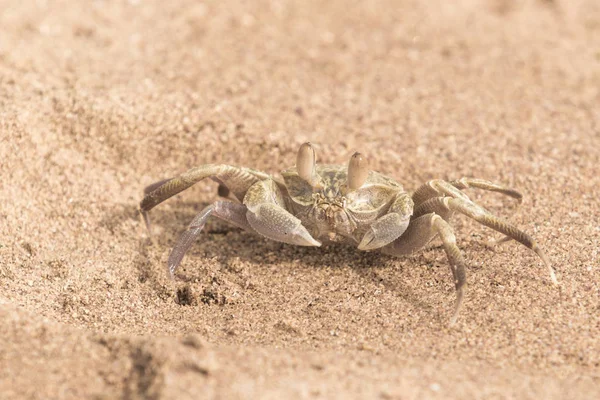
320, 204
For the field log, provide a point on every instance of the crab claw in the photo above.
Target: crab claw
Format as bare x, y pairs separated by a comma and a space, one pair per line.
384, 231
267, 216
275, 223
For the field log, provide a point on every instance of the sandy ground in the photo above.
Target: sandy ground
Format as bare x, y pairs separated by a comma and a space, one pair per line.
99, 99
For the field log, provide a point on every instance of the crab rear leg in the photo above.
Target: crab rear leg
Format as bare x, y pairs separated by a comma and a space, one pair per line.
234, 213
268, 216
439, 187
237, 180
445, 205
465, 183
420, 232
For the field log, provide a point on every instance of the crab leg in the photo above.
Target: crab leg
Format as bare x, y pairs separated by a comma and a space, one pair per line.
234, 213
238, 180
267, 215
446, 205
439, 187
465, 183
420, 232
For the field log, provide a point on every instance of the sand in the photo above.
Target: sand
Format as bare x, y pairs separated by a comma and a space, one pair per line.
99, 99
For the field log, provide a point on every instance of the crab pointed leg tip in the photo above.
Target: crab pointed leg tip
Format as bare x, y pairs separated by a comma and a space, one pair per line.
459, 299
545, 260
553, 277
453, 321
519, 198
146, 219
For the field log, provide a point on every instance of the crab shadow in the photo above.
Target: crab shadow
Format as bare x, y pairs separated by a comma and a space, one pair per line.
223, 242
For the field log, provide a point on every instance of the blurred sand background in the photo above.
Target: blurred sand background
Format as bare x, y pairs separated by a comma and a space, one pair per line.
101, 98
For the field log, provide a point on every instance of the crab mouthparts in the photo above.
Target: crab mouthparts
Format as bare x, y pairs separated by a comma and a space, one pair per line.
333, 217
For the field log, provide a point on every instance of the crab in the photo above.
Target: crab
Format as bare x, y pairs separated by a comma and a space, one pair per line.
316, 205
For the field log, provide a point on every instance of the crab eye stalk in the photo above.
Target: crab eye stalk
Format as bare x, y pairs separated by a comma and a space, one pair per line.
306, 163
358, 171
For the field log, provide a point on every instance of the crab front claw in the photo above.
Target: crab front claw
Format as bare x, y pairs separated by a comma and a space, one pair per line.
275, 223
383, 231
390, 226
266, 215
